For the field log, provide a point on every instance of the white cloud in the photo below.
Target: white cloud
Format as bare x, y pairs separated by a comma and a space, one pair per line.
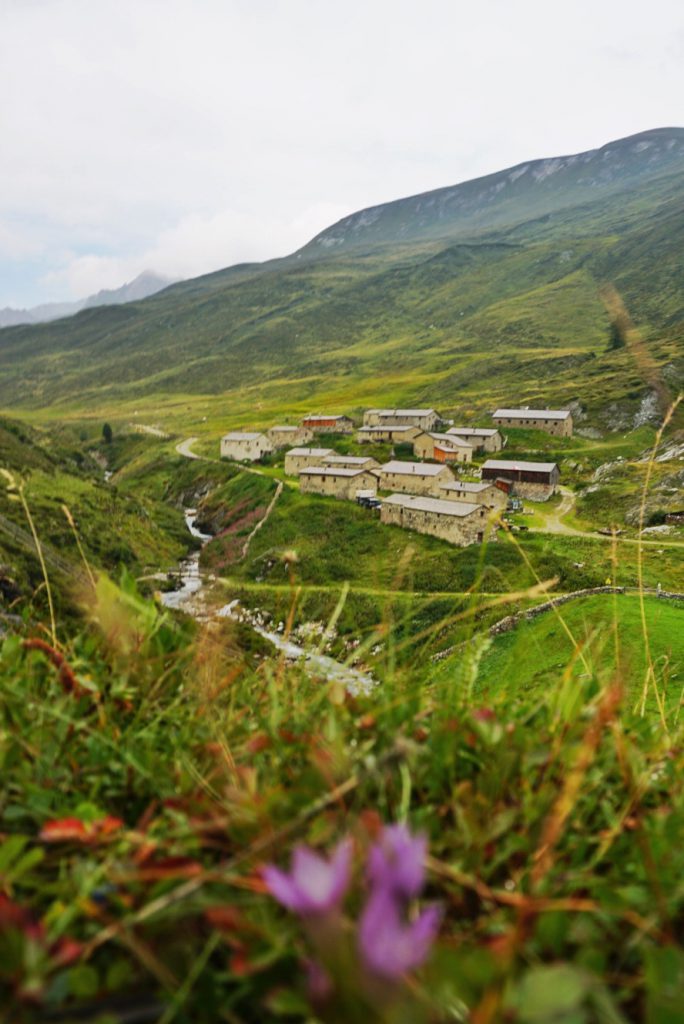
188, 134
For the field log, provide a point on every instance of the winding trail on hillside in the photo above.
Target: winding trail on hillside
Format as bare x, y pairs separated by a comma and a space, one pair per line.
185, 448
278, 492
554, 524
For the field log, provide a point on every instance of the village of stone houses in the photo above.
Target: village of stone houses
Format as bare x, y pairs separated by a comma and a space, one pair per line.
455, 487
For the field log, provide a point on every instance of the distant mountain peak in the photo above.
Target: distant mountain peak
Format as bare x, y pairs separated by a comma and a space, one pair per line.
141, 287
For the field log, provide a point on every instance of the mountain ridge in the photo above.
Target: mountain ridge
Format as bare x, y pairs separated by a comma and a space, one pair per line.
486, 188
482, 315
145, 284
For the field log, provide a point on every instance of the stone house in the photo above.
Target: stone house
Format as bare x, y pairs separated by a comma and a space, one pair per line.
301, 458
386, 434
244, 446
327, 424
553, 421
414, 477
426, 419
455, 521
443, 448
534, 480
492, 494
337, 482
288, 437
483, 439
351, 461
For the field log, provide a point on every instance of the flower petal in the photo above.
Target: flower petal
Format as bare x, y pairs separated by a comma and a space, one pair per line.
282, 888
388, 946
397, 861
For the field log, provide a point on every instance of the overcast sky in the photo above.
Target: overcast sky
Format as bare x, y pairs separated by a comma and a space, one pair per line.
186, 135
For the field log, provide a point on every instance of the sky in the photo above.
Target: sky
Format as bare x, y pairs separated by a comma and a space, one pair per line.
184, 136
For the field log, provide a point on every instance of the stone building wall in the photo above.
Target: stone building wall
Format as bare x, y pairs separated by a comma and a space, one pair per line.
292, 438
412, 483
337, 486
246, 451
460, 530
295, 463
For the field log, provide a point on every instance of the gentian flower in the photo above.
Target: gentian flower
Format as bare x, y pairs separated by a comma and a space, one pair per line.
314, 886
396, 862
390, 947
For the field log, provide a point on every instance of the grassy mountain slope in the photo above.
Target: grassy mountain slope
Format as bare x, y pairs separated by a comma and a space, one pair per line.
462, 321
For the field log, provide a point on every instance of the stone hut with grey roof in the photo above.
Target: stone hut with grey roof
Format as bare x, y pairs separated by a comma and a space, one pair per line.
337, 481
287, 436
483, 439
534, 480
443, 448
492, 493
457, 522
552, 421
245, 446
414, 477
426, 419
302, 458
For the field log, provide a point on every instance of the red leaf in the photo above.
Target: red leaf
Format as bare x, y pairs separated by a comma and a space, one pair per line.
64, 829
66, 952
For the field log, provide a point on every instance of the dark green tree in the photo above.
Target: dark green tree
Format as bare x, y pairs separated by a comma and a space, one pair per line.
107, 433
616, 337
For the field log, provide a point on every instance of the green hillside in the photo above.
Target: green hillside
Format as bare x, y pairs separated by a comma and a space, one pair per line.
505, 308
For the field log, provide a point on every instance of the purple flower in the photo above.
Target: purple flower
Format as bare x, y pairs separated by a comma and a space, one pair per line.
390, 947
314, 885
318, 982
396, 862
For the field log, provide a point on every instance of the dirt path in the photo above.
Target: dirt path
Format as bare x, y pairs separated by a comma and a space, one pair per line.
278, 492
185, 449
554, 524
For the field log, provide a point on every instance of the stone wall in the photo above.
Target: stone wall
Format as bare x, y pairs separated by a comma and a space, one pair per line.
534, 492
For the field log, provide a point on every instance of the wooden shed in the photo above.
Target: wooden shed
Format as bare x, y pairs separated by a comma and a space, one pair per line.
534, 480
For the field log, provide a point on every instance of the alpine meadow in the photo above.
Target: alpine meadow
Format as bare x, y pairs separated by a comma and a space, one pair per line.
383, 723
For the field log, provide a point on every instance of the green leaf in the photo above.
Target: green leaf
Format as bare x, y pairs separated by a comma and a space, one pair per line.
664, 986
553, 993
84, 981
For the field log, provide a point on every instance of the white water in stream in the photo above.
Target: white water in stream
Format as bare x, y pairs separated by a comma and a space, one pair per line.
353, 680
190, 576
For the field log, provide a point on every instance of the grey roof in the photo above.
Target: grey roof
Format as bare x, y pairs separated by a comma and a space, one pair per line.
413, 468
241, 435
317, 453
525, 467
438, 505
347, 460
325, 416
474, 431
466, 487
388, 426
452, 439
287, 426
331, 471
403, 412
532, 414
